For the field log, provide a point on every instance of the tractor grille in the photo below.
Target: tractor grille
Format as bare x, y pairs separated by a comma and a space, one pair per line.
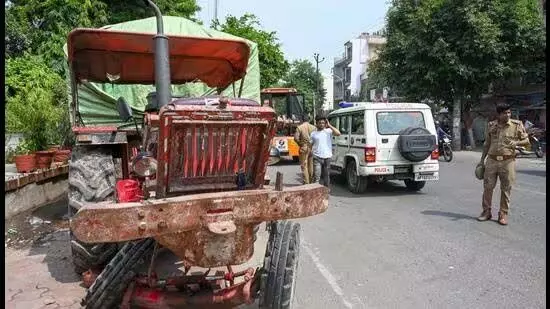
206, 156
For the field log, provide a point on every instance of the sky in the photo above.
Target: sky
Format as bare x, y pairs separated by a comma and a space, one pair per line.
305, 27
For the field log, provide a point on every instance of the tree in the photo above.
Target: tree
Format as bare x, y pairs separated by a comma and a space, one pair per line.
41, 27
35, 101
35, 32
124, 10
451, 50
273, 65
302, 76
376, 79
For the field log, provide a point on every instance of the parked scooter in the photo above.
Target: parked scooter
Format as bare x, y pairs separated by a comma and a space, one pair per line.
536, 147
445, 149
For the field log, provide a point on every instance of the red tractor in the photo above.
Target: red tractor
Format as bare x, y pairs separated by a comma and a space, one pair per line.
190, 179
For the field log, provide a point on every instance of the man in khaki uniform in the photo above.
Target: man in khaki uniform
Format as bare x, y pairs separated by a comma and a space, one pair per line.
501, 138
303, 139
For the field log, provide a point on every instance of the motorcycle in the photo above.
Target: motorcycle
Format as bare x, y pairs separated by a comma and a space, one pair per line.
536, 147
445, 149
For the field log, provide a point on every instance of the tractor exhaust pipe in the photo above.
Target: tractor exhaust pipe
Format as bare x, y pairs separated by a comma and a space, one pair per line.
162, 60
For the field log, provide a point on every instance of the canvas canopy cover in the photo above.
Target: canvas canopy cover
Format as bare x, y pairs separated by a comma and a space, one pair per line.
104, 63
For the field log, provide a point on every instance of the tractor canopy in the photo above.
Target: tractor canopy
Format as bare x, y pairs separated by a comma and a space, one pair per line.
118, 61
118, 57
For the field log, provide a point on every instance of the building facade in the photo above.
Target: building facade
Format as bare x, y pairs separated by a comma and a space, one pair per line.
328, 85
352, 66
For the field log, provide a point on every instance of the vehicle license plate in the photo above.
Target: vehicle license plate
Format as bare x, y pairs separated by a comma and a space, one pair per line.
426, 176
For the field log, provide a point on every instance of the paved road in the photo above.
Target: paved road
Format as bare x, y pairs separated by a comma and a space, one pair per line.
387, 248
392, 249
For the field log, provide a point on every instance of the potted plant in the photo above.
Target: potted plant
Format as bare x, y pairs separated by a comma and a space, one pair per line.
62, 156
25, 159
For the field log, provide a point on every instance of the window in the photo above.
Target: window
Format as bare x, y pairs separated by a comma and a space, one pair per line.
391, 123
357, 124
347, 75
344, 124
334, 121
349, 52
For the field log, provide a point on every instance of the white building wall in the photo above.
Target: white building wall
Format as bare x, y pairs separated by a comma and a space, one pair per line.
359, 54
328, 85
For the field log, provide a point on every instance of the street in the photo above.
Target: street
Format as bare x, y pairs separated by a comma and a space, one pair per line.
387, 248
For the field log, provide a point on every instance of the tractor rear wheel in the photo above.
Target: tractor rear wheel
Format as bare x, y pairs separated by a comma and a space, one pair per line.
109, 287
278, 279
91, 179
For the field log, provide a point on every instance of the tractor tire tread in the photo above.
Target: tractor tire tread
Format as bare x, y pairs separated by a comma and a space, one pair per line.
110, 285
280, 263
91, 179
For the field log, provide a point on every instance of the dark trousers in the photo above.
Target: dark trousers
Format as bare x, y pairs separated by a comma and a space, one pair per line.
321, 172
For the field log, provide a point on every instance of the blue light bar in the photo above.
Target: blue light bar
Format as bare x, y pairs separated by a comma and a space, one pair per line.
345, 104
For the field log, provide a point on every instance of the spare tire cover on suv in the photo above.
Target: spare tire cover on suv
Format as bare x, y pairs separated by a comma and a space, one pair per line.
416, 144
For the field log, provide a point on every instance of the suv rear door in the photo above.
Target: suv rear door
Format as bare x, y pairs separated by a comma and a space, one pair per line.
341, 143
357, 136
388, 125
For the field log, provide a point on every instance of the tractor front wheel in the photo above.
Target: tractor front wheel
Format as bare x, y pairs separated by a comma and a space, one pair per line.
91, 179
109, 287
278, 279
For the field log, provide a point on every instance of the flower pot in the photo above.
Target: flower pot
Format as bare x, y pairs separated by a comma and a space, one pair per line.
54, 147
62, 156
25, 163
44, 159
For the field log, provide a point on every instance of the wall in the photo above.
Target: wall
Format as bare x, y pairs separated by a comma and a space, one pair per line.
338, 91
360, 50
328, 85
12, 141
33, 196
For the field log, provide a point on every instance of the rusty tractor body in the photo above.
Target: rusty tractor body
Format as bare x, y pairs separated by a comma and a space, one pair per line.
191, 179
290, 108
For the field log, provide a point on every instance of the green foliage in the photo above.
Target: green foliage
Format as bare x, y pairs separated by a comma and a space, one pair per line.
35, 32
302, 76
376, 79
35, 101
41, 27
124, 10
25, 147
273, 65
449, 49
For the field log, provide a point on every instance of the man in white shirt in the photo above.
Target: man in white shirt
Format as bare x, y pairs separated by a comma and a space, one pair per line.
321, 140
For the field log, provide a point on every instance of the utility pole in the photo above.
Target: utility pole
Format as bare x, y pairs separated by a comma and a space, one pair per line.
315, 97
216, 10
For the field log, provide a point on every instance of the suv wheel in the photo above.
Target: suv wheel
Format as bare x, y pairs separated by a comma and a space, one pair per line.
414, 185
356, 184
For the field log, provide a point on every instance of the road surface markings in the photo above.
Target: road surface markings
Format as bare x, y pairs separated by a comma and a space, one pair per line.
326, 273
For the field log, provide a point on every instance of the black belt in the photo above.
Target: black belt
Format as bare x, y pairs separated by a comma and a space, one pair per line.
502, 158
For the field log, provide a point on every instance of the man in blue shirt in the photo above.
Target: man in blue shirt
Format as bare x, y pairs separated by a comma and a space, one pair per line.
321, 141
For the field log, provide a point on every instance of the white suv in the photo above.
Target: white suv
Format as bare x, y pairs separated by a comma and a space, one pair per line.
385, 141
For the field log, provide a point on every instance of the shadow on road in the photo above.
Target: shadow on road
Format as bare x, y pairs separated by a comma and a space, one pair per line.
286, 162
57, 256
54, 243
44, 232
389, 188
539, 173
452, 215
